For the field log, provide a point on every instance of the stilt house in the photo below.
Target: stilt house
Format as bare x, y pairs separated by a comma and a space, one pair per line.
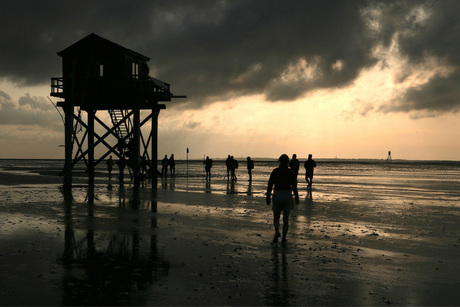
100, 75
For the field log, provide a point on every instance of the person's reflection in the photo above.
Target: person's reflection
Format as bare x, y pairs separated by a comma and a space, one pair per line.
121, 196
164, 183
231, 187
154, 204
208, 186
110, 191
115, 259
249, 190
309, 204
279, 293
309, 195
172, 183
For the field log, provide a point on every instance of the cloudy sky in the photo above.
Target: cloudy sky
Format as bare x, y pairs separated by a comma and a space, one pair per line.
346, 79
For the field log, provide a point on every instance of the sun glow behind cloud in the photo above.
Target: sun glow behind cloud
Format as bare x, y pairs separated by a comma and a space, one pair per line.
344, 122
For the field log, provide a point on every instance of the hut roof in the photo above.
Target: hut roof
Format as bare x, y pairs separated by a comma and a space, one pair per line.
95, 42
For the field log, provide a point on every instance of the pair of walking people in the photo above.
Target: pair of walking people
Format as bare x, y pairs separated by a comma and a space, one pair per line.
164, 166
283, 180
309, 165
232, 165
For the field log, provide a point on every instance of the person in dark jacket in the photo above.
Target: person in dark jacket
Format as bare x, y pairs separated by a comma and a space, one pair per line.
250, 167
284, 182
294, 164
172, 166
309, 165
207, 166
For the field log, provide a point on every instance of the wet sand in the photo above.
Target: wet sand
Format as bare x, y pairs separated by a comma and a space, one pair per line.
192, 243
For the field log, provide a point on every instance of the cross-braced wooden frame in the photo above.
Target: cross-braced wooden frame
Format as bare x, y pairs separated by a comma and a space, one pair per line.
130, 141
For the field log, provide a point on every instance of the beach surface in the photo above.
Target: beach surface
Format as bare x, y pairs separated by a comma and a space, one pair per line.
197, 242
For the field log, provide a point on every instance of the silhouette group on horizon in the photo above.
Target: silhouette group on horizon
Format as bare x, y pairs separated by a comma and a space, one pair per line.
231, 166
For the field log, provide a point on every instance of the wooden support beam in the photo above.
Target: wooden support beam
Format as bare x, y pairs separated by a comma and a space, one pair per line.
135, 156
68, 129
90, 129
134, 132
154, 133
80, 148
99, 140
146, 145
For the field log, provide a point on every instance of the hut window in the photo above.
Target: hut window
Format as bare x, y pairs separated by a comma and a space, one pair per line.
135, 71
101, 70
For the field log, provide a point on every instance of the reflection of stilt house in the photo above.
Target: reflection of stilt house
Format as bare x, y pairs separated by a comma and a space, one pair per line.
98, 76
111, 265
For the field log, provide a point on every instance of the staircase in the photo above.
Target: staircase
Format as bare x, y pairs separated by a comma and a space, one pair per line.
124, 126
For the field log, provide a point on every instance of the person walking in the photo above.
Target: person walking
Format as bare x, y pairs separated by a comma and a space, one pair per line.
110, 164
250, 166
172, 166
294, 165
121, 168
228, 164
284, 182
164, 166
207, 166
233, 167
309, 165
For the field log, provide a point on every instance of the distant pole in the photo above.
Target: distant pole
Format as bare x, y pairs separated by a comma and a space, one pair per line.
389, 157
187, 161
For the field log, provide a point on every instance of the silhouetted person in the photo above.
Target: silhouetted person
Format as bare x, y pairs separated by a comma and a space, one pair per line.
309, 165
164, 167
121, 168
228, 164
294, 164
207, 166
143, 167
172, 165
285, 183
233, 167
110, 164
250, 166
121, 146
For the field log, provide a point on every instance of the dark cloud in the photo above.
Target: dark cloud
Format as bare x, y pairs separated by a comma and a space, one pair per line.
215, 50
29, 111
38, 103
439, 95
4, 97
249, 48
436, 36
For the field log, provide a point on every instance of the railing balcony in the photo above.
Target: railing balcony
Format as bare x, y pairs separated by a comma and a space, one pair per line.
57, 87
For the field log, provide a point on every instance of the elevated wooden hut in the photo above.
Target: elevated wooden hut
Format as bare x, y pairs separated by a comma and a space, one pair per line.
101, 76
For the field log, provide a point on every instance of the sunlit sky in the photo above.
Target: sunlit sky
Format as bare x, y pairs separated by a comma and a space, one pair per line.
343, 79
